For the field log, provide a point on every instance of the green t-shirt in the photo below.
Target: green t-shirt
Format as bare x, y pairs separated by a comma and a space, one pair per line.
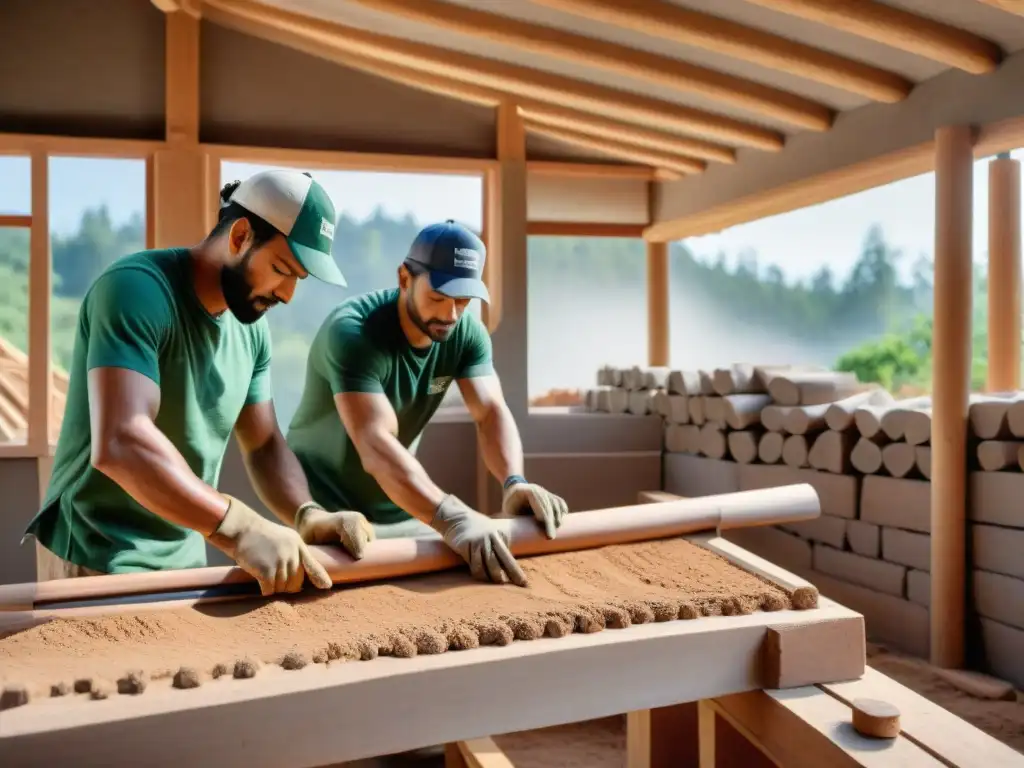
142, 313
361, 348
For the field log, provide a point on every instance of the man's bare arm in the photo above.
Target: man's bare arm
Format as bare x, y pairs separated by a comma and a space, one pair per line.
497, 432
128, 448
273, 469
370, 421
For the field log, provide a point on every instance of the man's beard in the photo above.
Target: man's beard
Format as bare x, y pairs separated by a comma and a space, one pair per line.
436, 330
234, 283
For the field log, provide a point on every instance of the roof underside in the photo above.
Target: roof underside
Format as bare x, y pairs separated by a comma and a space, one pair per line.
712, 93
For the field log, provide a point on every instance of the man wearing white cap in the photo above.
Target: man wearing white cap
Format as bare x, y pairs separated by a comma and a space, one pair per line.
172, 355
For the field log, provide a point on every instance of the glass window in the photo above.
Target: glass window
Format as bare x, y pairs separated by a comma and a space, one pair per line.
97, 215
14, 254
15, 185
587, 307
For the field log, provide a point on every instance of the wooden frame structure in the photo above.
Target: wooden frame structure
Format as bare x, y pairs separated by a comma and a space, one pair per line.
705, 126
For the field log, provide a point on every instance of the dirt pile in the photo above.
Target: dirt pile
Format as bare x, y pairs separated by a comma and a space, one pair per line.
588, 591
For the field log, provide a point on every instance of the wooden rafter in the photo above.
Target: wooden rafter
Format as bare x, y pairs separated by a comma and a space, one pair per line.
521, 82
670, 22
684, 165
559, 117
192, 7
1010, 6
898, 29
664, 71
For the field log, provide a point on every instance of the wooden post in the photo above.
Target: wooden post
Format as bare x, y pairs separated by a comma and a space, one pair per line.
657, 304
1004, 274
180, 183
40, 270
951, 370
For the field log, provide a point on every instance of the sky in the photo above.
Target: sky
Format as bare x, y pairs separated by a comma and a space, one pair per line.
799, 242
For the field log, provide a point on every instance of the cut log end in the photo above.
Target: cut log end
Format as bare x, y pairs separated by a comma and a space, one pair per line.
876, 719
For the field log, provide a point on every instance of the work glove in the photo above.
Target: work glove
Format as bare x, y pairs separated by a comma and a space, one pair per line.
318, 526
479, 540
273, 554
523, 498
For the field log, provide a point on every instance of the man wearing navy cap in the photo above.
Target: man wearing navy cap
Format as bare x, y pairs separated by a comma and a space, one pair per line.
383, 362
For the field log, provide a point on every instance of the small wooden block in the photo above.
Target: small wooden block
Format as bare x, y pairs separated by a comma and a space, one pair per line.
818, 652
875, 718
979, 685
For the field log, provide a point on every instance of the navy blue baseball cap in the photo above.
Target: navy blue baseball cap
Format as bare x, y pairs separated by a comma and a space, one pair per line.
453, 258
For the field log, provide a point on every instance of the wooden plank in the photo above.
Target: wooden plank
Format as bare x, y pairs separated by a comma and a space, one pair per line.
937, 730
483, 753
806, 728
441, 699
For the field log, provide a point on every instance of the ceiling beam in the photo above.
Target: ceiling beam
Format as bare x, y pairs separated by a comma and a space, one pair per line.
898, 29
1010, 6
192, 8
680, 25
559, 117
521, 82
663, 71
683, 165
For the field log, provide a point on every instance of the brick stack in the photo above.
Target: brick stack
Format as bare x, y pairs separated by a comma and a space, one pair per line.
627, 390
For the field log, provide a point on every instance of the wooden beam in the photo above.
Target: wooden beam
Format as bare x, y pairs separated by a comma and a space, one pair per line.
1010, 6
191, 8
625, 133
668, 21
582, 229
522, 82
802, 193
588, 170
15, 220
898, 29
663, 71
658, 305
683, 165
483, 753
1004, 275
951, 370
76, 146
181, 64
40, 286
1000, 136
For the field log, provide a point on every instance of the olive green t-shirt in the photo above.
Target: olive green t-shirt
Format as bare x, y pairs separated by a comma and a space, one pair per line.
142, 313
361, 348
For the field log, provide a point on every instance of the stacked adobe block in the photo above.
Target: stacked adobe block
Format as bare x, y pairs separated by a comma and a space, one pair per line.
868, 455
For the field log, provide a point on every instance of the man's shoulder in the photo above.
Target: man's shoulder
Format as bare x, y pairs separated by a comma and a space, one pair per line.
362, 315
144, 280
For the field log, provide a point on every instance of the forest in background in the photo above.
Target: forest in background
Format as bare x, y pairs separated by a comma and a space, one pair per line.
869, 321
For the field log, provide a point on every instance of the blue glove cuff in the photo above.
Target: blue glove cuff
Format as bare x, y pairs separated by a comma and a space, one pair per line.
513, 480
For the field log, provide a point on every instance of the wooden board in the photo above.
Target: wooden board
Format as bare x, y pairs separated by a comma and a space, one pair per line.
437, 699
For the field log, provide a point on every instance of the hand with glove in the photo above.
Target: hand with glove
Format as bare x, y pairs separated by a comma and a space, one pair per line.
521, 497
318, 526
479, 540
273, 554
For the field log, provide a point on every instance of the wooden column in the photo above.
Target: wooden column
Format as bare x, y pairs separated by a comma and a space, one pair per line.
657, 304
505, 274
1004, 274
951, 370
180, 184
40, 271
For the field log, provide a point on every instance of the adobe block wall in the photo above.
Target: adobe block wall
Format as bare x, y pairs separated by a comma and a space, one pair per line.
870, 549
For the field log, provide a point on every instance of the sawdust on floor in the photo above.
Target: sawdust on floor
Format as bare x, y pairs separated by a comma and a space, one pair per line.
587, 591
1002, 720
590, 744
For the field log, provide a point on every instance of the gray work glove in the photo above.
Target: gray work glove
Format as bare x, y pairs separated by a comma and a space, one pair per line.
350, 529
524, 498
479, 540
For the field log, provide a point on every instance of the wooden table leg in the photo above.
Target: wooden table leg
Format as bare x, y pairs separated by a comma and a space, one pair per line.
666, 737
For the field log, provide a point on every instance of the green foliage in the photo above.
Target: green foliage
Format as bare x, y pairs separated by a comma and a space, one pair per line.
894, 360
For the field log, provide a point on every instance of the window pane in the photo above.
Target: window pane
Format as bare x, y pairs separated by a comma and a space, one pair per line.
15, 185
14, 251
587, 305
379, 214
97, 215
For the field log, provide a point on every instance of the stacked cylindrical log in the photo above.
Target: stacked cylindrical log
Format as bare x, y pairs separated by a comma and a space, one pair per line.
633, 390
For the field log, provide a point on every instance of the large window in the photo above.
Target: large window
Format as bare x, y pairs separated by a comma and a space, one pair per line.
97, 215
15, 200
379, 214
847, 283
587, 307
